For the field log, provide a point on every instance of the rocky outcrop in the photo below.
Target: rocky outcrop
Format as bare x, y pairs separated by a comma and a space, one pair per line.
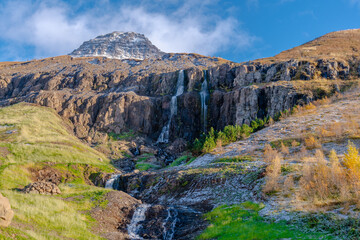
6, 214
47, 174
113, 219
46, 188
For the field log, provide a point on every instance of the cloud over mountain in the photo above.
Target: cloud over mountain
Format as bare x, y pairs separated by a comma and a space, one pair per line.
56, 27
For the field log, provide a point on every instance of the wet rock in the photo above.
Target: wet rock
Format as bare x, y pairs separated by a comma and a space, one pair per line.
170, 222
6, 214
46, 188
125, 164
112, 221
144, 149
178, 146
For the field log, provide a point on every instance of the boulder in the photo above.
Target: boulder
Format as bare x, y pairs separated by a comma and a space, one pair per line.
46, 188
144, 149
6, 214
178, 146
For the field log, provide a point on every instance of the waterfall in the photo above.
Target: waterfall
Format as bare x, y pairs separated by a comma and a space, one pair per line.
111, 182
204, 94
134, 227
165, 132
170, 223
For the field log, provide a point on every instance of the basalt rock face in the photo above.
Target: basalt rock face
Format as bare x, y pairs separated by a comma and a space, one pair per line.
102, 95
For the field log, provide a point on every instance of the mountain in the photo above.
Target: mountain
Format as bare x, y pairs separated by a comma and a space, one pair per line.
118, 45
165, 123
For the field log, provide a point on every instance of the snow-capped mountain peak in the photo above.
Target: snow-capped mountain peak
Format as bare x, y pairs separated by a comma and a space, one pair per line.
119, 45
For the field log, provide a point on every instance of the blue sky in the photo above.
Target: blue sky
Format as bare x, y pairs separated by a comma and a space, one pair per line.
239, 30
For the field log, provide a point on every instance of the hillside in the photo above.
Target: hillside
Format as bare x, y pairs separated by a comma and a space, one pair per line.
37, 145
183, 146
336, 45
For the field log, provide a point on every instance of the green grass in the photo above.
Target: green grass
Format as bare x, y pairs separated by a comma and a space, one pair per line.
242, 221
146, 166
48, 217
234, 159
123, 136
42, 135
180, 160
190, 160
42, 138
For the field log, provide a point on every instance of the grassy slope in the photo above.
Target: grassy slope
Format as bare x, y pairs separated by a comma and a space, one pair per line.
243, 222
39, 135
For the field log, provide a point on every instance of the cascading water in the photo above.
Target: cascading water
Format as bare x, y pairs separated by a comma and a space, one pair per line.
134, 227
204, 94
165, 132
111, 182
170, 223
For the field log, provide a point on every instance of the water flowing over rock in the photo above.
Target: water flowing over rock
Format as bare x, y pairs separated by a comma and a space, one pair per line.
155, 221
165, 132
135, 226
113, 219
170, 223
204, 94
111, 183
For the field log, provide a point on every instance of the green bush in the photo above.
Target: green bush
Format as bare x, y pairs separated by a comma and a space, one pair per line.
230, 133
206, 143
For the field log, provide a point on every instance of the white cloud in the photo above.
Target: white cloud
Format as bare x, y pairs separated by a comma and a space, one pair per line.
54, 28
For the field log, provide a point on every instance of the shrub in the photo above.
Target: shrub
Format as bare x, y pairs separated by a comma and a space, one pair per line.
312, 143
323, 181
230, 134
273, 171
295, 143
309, 106
269, 153
289, 184
197, 146
209, 144
352, 161
284, 149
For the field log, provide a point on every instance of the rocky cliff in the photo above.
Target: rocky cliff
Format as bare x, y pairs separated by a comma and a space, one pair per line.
101, 95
